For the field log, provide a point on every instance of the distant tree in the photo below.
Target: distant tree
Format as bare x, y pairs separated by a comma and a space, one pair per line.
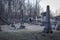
1, 8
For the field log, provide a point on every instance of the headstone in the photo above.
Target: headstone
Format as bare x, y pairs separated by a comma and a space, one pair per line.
12, 25
47, 28
58, 27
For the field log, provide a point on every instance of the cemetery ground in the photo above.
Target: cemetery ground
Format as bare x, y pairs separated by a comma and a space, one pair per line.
32, 32
28, 35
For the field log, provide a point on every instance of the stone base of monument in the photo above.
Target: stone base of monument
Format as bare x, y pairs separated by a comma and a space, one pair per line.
47, 30
47, 33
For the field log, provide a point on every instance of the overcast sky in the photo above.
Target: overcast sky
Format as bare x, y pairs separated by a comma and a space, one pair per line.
54, 4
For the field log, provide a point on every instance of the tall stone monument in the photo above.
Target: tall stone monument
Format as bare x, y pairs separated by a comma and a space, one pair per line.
22, 21
48, 28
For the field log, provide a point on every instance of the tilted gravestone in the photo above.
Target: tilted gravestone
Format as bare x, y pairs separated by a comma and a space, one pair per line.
48, 28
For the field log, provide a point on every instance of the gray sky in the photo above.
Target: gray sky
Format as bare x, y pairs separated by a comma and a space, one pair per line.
54, 4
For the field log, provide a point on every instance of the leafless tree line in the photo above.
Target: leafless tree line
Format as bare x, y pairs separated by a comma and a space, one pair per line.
12, 9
